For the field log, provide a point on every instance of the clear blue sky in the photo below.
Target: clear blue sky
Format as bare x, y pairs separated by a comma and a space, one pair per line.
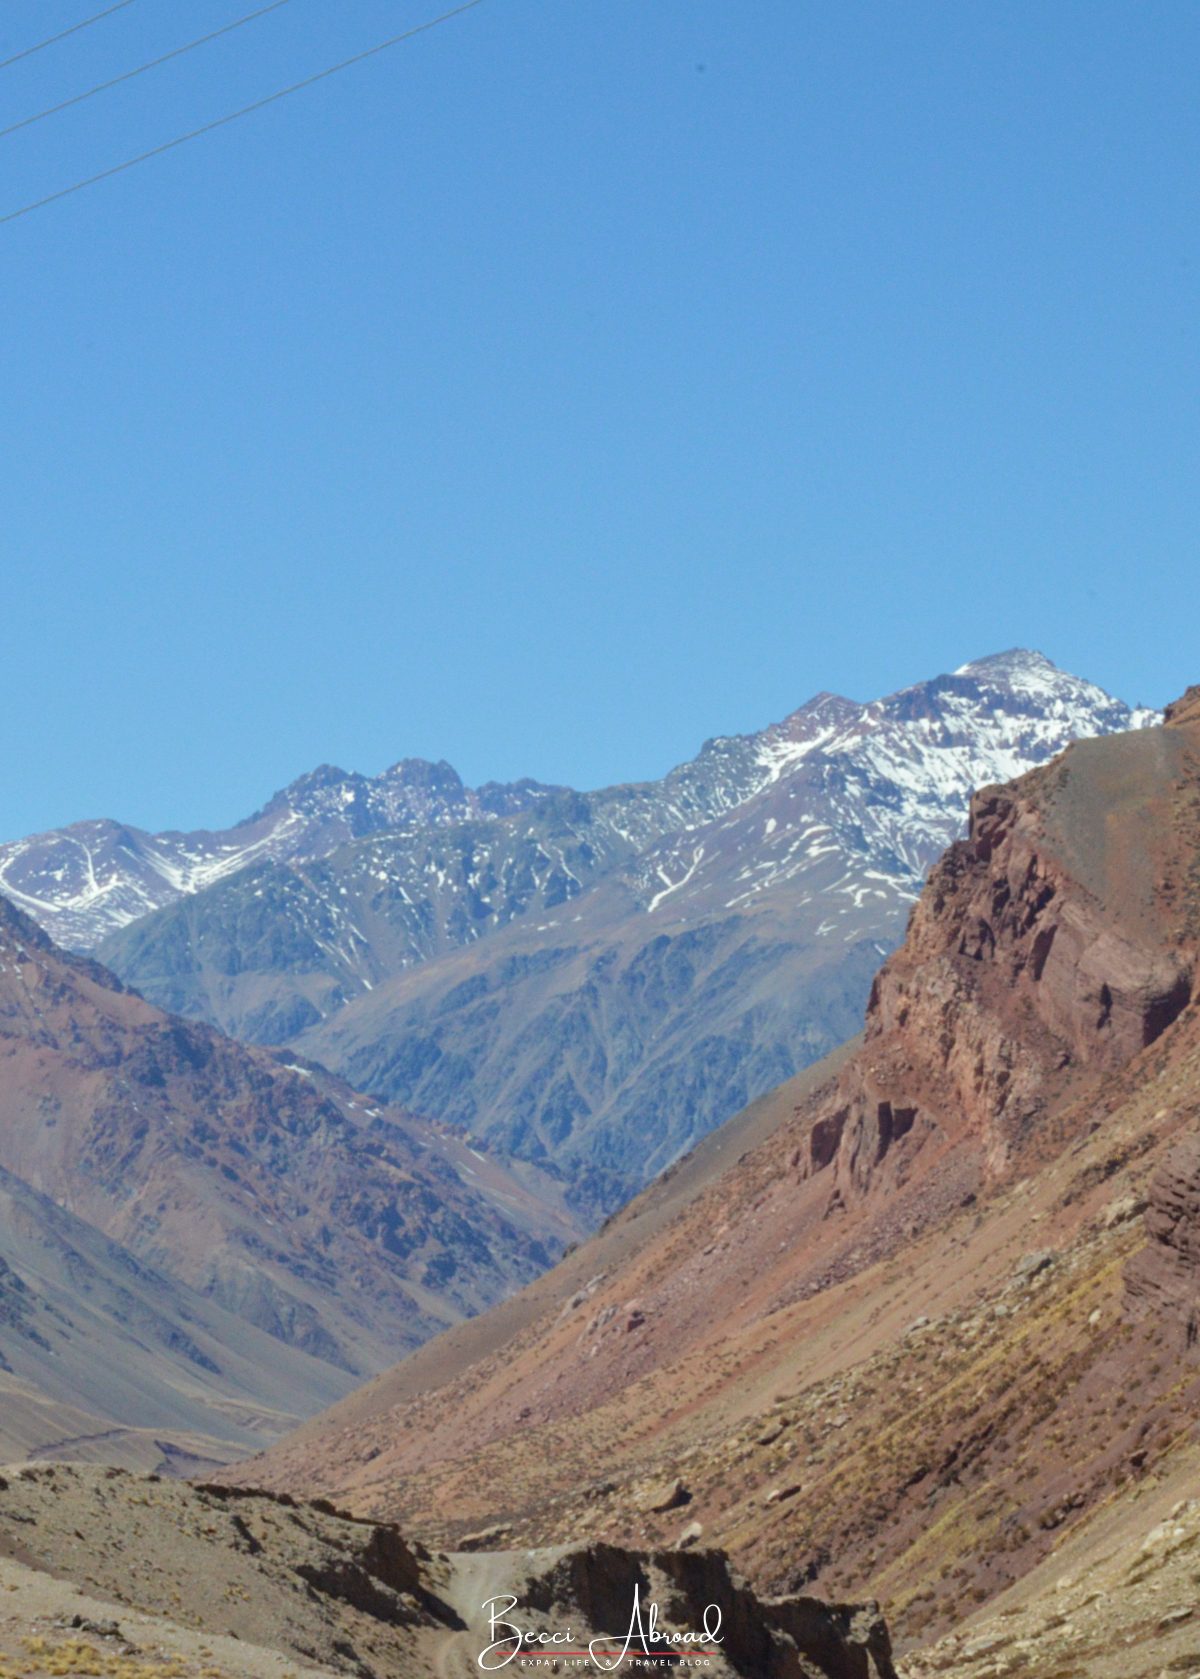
581, 379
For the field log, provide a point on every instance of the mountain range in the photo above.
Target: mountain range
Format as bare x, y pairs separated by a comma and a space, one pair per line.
923, 1322
85, 880
574, 986
592, 981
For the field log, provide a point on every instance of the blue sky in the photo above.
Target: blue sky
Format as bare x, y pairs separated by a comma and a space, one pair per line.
582, 379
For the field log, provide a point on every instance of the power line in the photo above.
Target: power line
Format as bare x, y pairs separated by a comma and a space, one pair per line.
62, 35
245, 111
177, 52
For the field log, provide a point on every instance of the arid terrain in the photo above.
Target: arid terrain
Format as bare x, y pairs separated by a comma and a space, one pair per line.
168, 1581
591, 981
921, 1326
600, 867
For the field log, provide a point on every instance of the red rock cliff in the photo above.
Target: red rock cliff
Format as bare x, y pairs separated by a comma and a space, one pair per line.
1047, 949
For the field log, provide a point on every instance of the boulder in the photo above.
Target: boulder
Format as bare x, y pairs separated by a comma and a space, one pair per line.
662, 1495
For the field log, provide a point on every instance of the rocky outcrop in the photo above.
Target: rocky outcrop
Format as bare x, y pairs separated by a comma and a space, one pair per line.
1184, 710
774, 1638
1163, 1279
313, 1583
1041, 951
367, 1565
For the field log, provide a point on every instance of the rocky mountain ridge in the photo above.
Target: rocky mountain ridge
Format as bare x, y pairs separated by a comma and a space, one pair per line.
892, 779
84, 881
596, 982
1036, 955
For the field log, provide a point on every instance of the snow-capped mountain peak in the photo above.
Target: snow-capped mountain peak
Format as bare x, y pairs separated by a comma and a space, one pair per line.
884, 786
891, 778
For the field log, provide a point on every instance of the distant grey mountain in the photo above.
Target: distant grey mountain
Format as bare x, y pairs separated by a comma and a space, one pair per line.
84, 881
592, 981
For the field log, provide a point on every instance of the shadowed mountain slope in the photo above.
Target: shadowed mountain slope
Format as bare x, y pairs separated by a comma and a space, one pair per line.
231, 1228
104, 1358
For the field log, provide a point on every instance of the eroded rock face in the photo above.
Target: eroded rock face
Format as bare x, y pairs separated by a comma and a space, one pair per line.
1163, 1279
791, 1637
1041, 951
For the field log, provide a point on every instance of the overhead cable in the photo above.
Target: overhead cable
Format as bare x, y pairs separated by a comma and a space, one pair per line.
152, 64
244, 111
63, 33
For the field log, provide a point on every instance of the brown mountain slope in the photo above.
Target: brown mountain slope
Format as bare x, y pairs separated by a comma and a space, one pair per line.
900, 1344
103, 1357
338, 1228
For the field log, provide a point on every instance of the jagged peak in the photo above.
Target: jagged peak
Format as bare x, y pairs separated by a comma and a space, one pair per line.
1014, 661
828, 704
325, 775
423, 772
1033, 679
